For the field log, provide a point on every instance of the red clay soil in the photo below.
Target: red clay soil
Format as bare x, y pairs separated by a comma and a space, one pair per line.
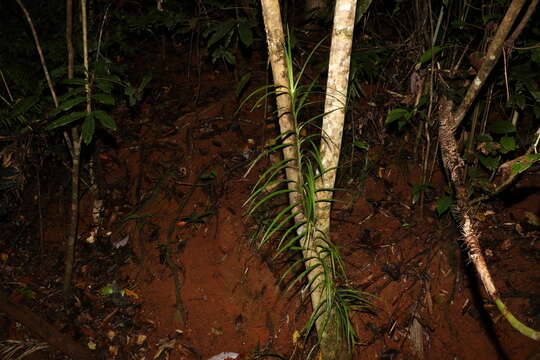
177, 168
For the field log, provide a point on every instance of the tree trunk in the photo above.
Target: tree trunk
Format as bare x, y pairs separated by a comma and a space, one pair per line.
276, 49
76, 141
332, 131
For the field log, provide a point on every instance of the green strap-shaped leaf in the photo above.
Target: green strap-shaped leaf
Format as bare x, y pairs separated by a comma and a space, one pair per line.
429, 53
70, 94
66, 119
220, 31
24, 105
501, 127
490, 162
508, 143
104, 86
361, 8
443, 204
242, 83
105, 119
88, 128
104, 98
111, 78
68, 104
75, 81
397, 114
246, 35
145, 80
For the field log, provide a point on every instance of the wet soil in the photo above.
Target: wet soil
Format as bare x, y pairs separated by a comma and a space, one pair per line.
177, 275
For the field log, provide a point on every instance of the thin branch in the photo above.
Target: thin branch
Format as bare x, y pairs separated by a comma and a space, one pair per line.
490, 60
40, 52
524, 21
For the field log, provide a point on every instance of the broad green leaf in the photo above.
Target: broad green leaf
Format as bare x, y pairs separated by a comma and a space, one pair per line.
110, 78
361, 8
107, 290
130, 90
105, 119
361, 145
71, 93
104, 86
443, 204
229, 57
401, 123
6, 184
526, 162
68, 104
501, 127
220, 31
209, 176
8, 171
245, 33
24, 105
508, 143
535, 53
536, 111
75, 81
104, 98
492, 163
426, 56
145, 80
485, 138
58, 72
397, 114
242, 83
66, 119
88, 128
535, 95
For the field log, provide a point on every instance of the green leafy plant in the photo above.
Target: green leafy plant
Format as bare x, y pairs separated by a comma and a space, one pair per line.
222, 35
68, 113
21, 115
402, 116
289, 237
443, 204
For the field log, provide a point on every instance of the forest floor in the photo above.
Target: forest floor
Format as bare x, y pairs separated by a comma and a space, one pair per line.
174, 187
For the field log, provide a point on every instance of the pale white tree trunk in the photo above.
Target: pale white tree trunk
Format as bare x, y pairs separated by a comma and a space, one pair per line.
335, 102
276, 49
332, 132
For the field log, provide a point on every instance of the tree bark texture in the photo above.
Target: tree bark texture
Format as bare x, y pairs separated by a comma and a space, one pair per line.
469, 227
330, 148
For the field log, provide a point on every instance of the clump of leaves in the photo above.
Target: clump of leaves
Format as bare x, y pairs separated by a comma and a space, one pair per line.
222, 36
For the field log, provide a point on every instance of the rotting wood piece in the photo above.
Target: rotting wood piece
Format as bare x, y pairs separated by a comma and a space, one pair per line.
43, 329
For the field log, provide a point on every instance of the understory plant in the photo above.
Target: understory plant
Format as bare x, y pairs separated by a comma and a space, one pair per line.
290, 228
